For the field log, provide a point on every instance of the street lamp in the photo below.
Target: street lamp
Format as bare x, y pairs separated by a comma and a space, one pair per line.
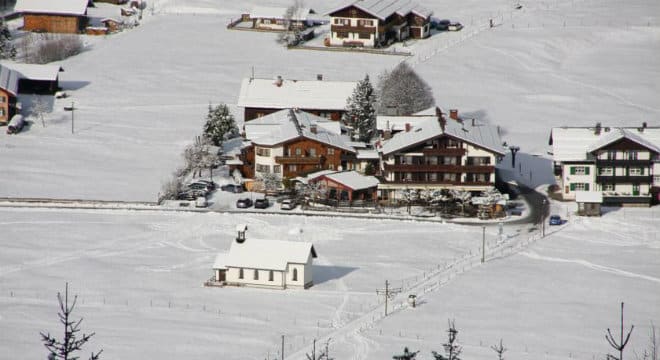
71, 108
514, 150
543, 218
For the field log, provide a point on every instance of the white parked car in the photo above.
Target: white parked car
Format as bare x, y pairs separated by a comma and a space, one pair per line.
200, 202
288, 204
455, 26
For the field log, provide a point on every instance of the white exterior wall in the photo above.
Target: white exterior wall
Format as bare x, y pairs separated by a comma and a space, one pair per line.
656, 174
267, 160
371, 42
567, 179
232, 276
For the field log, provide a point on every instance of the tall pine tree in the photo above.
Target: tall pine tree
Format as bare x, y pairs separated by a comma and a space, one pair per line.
220, 124
361, 110
7, 49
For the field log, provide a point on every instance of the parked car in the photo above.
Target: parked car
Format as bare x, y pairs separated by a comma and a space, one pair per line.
555, 220
199, 186
288, 204
232, 188
211, 185
261, 203
190, 195
243, 203
200, 202
442, 25
455, 26
16, 124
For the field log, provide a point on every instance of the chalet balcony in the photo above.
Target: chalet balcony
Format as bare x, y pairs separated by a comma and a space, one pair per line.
404, 182
479, 169
610, 179
353, 29
444, 152
621, 162
303, 160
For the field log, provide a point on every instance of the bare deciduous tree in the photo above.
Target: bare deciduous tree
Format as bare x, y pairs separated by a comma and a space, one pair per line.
291, 35
651, 352
621, 345
39, 108
452, 349
403, 92
499, 349
65, 349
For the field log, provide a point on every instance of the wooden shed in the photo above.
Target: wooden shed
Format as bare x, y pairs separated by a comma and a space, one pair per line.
61, 16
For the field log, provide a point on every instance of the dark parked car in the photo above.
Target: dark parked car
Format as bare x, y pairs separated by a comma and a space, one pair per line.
232, 188
442, 25
243, 203
210, 184
261, 203
555, 220
199, 186
191, 194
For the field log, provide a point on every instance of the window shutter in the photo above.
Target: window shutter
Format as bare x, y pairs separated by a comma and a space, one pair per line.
586, 170
586, 185
572, 171
572, 185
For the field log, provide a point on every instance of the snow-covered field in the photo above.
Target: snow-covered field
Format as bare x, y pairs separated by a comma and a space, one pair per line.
139, 276
143, 94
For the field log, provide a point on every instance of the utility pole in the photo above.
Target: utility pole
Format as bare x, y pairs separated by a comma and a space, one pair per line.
71, 108
388, 292
282, 348
483, 244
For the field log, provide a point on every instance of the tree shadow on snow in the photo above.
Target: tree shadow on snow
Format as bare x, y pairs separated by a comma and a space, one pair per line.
73, 84
323, 273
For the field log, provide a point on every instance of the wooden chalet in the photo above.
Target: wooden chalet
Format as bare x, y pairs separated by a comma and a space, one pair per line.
347, 187
53, 16
8, 91
438, 153
260, 97
24, 79
274, 18
376, 23
621, 162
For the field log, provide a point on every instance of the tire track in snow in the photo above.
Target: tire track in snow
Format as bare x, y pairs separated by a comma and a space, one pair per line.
607, 269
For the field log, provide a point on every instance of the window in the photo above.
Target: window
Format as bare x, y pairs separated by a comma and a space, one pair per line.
365, 22
260, 114
2, 99
365, 36
606, 171
277, 169
298, 151
342, 34
295, 274
611, 155
331, 151
331, 166
256, 274
2, 112
345, 22
312, 152
579, 187
631, 155
240, 273
636, 171
579, 170
266, 21
270, 275
263, 168
292, 168
656, 179
608, 187
263, 151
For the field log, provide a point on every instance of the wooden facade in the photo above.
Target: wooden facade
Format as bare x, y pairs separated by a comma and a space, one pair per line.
302, 156
7, 106
251, 113
341, 192
54, 23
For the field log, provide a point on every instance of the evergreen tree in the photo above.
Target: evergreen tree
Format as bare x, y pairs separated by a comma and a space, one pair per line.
361, 110
7, 49
452, 349
220, 124
403, 92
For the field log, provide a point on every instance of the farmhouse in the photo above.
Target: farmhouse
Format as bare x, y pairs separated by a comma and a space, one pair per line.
438, 153
8, 91
623, 163
260, 97
290, 142
274, 18
375, 23
61, 16
275, 264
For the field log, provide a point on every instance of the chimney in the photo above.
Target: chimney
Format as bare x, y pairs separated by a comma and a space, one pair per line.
319, 77
241, 229
453, 113
597, 128
387, 134
408, 127
313, 128
279, 81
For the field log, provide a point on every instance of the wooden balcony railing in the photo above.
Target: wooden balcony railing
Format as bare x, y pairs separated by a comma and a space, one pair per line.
445, 152
353, 29
298, 159
478, 169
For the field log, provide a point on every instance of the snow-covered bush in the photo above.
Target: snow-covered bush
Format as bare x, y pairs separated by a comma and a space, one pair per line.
403, 92
46, 48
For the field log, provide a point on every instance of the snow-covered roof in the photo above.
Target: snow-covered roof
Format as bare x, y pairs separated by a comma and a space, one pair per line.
287, 124
382, 9
37, 72
267, 12
398, 123
589, 196
481, 135
353, 179
62, 7
9, 79
302, 94
574, 143
264, 254
367, 154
